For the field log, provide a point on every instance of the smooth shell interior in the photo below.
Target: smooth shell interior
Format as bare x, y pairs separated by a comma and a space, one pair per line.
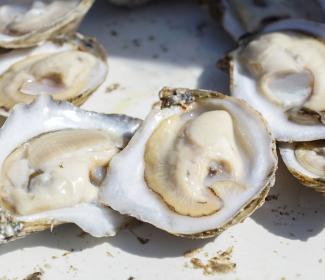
57, 69
44, 126
283, 83
181, 174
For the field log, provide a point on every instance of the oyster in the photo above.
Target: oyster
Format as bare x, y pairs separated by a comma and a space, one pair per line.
240, 17
27, 23
53, 160
306, 161
280, 74
200, 163
67, 68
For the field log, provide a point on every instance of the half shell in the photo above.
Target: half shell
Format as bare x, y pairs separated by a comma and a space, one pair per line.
68, 68
279, 73
200, 163
41, 153
31, 22
306, 161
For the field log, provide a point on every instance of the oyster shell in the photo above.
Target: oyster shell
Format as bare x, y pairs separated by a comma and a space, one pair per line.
53, 160
280, 74
241, 17
27, 23
306, 161
68, 68
201, 163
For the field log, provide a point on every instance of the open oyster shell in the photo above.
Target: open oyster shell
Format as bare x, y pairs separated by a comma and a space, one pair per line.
306, 161
200, 163
67, 68
240, 17
53, 160
27, 23
280, 73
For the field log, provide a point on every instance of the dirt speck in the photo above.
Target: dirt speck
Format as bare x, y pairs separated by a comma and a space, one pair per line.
34, 276
192, 252
109, 254
221, 263
112, 87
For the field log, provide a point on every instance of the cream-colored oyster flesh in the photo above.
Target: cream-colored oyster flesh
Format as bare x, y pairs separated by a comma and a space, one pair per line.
53, 163
27, 23
306, 161
196, 166
67, 68
280, 74
240, 17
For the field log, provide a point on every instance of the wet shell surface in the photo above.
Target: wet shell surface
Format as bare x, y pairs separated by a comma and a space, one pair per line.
306, 161
240, 18
201, 162
280, 73
68, 68
27, 23
53, 160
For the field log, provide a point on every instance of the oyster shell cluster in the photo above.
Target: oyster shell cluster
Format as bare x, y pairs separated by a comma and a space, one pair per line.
278, 69
200, 162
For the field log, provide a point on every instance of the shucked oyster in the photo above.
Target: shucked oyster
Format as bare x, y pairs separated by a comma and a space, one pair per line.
240, 17
26, 23
281, 75
200, 163
67, 68
306, 161
53, 160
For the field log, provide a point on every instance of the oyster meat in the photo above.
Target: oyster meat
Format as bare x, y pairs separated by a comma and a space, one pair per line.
67, 68
200, 163
27, 23
281, 75
306, 161
240, 17
53, 162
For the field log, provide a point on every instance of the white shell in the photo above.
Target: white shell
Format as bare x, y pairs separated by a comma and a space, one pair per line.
61, 44
125, 189
67, 24
243, 86
45, 115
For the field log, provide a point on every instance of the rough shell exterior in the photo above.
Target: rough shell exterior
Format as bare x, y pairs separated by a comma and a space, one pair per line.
317, 184
68, 25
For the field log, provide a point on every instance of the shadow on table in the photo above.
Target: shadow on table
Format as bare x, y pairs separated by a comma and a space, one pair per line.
152, 33
138, 239
293, 211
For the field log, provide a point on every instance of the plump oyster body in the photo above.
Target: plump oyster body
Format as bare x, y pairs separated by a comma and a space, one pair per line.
281, 75
53, 161
306, 161
240, 17
67, 68
202, 162
27, 23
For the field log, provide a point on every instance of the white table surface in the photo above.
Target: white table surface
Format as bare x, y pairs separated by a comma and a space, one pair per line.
173, 43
